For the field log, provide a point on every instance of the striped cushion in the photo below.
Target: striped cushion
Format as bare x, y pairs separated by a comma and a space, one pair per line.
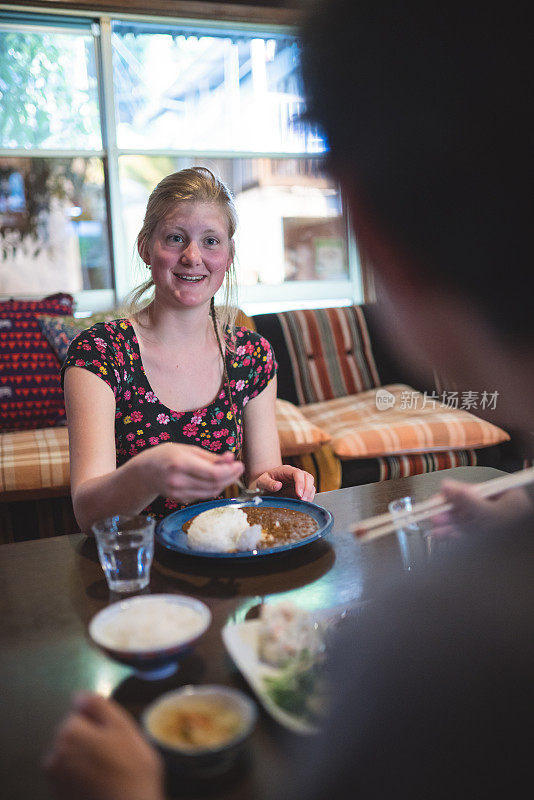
330, 352
297, 434
34, 460
357, 471
404, 466
361, 430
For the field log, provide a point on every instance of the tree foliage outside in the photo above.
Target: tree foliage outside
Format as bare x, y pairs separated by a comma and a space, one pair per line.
48, 95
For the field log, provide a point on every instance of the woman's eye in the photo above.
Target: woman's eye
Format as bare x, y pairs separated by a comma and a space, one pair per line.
211, 241
175, 237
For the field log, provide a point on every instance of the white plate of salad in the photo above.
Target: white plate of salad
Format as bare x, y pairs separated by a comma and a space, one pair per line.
281, 656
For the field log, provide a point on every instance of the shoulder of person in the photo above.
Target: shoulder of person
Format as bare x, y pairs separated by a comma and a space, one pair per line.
102, 336
244, 336
108, 331
109, 327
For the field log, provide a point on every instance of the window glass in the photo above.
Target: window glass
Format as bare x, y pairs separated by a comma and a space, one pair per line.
291, 224
199, 90
48, 91
53, 225
226, 98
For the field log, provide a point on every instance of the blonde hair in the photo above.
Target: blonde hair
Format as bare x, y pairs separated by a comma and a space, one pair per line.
197, 184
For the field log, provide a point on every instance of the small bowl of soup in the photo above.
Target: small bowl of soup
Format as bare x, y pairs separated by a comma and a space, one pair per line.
200, 729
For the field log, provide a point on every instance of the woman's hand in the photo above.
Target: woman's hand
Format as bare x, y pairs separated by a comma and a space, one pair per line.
100, 754
288, 481
186, 472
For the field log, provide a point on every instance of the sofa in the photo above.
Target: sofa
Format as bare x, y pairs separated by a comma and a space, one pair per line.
348, 411
340, 369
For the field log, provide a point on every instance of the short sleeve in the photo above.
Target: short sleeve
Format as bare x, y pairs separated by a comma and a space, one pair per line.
253, 364
267, 366
94, 351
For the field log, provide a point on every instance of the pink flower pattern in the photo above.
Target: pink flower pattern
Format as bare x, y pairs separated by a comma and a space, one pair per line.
111, 351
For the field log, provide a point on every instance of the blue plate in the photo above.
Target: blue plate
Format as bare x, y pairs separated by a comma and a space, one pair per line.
170, 534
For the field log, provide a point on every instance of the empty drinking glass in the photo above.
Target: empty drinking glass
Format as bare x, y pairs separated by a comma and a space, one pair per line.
126, 549
413, 537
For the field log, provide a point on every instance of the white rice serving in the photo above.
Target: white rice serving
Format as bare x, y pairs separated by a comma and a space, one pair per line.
223, 530
151, 626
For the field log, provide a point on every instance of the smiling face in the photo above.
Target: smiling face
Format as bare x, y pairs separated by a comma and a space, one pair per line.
189, 252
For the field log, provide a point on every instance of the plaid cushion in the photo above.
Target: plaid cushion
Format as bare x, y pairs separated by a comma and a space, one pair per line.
30, 389
360, 429
39, 459
60, 331
34, 460
330, 352
297, 434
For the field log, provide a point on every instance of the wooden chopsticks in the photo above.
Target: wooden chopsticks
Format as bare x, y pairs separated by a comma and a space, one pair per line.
372, 528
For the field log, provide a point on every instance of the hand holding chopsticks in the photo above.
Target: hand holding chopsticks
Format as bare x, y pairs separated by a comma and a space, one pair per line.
383, 524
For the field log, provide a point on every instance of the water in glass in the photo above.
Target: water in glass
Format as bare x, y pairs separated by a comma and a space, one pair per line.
126, 549
126, 563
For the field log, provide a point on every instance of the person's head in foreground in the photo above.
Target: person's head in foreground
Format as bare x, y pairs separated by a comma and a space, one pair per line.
428, 113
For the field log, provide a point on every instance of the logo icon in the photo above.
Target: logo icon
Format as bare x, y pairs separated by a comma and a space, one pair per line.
384, 399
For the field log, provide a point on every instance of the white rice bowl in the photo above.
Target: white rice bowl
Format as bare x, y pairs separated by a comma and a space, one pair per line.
149, 624
218, 530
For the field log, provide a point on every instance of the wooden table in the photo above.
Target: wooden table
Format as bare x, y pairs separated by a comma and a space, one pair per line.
50, 589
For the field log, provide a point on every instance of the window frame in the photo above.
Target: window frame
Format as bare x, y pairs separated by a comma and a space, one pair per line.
293, 294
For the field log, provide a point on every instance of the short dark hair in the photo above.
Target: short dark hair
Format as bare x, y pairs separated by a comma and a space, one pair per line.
428, 109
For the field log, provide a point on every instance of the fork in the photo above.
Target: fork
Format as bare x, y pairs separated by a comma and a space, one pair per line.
248, 494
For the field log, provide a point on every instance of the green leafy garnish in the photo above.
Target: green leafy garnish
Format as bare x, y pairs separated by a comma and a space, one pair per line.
299, 689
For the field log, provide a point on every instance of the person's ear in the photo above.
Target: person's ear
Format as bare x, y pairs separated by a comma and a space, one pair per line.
388, 258
142, 249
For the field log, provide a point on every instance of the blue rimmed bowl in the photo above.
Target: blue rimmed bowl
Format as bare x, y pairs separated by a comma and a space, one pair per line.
111, 627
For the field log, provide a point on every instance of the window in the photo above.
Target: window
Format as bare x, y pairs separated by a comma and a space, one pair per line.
53, 217
93, 115
205, 90
53, 233
49, 89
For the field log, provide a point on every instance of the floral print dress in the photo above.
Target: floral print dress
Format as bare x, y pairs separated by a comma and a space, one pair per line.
111, 351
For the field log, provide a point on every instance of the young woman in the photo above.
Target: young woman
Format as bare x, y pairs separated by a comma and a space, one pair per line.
174, 403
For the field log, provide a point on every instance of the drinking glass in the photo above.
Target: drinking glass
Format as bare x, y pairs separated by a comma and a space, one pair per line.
413, 537
126, 549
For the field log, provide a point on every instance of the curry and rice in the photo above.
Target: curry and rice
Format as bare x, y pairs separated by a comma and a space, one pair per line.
227, 529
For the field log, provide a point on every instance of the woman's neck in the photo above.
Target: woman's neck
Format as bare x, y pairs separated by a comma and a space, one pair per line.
166, 326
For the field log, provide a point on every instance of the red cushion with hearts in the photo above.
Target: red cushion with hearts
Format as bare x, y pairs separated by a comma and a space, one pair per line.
30, 389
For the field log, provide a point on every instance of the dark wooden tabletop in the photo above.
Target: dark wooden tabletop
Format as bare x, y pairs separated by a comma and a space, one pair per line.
50, 589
